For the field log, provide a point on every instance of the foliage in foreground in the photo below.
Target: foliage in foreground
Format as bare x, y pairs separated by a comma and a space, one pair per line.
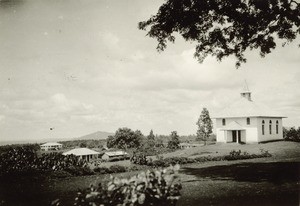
24, 160
157, 187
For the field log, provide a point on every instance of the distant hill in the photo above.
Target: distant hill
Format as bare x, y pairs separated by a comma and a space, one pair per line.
96, 136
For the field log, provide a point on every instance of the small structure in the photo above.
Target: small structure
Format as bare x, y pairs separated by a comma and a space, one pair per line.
185, 145
116, 155
247, 121
51, 146
83, 153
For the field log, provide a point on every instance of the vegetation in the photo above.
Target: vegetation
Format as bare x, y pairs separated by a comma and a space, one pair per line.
125, 138
223, 28
233, 155
174, 142
30, 147
83, 143
204, 124
24, 160
158, 187
291, 134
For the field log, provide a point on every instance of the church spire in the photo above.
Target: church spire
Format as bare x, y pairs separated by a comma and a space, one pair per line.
246, 92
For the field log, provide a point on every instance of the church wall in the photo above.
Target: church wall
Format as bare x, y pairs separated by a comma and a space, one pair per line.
251, 134
267, 136
221, 136
241, 120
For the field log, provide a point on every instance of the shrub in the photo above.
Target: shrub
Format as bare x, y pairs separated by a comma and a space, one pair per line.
102, 170
158, 187
117, 168
24, 159
139, 158
238, 155
292, 134
233, 155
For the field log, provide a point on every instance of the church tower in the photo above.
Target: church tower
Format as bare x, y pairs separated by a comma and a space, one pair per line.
246, 92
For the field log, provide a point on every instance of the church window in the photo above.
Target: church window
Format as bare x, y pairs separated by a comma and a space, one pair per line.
248, 121
223, 122
263, 127
277, 127
270, 127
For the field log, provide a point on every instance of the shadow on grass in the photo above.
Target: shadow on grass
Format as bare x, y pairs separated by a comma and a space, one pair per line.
274, 172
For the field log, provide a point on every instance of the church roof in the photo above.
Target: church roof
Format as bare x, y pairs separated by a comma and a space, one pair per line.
247, 108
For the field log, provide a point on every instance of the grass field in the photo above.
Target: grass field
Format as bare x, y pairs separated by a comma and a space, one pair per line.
263, 181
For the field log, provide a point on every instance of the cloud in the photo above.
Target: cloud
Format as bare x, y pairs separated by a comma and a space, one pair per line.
109, 39
2, 117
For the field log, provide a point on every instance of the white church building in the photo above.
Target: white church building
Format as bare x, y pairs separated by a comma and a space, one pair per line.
246, 121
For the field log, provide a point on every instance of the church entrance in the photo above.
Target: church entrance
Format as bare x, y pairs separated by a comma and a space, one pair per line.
236, 136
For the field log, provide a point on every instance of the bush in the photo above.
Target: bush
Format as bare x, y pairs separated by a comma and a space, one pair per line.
21, 160
291, 134
159, 187
117, 168
233, 155
139, 158
238, 155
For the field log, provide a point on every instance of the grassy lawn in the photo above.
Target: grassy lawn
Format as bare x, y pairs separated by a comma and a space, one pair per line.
263, 181
247, 183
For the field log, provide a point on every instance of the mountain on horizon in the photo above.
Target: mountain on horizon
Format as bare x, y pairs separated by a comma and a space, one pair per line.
95, 136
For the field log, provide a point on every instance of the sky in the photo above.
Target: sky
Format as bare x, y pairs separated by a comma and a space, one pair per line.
83, 66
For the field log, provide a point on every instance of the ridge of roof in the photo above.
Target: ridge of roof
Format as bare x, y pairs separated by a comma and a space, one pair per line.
245, 108
80, 151
50, 143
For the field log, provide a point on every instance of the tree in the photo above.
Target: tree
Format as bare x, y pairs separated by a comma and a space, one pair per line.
125, 138
151, 136
82, 144
223, 28
204, 124
174, 142
151, 139
292, 134
110, 142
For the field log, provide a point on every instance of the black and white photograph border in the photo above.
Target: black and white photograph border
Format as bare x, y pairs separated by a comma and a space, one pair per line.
162, 102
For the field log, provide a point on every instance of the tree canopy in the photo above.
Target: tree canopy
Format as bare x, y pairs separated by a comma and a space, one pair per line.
222, 28
125, 138
205, 126
174, 141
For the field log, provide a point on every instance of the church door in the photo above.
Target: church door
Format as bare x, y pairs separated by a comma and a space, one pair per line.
234, 135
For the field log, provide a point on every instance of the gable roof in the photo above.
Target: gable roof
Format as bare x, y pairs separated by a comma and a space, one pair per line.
51, 144
116, 153
245, 108
81, 151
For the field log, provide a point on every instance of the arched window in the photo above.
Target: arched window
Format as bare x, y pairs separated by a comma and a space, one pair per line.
223, 122
270, 126
263, 127
277, 123
248, 121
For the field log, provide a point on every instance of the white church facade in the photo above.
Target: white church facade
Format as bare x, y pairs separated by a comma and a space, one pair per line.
246, 121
